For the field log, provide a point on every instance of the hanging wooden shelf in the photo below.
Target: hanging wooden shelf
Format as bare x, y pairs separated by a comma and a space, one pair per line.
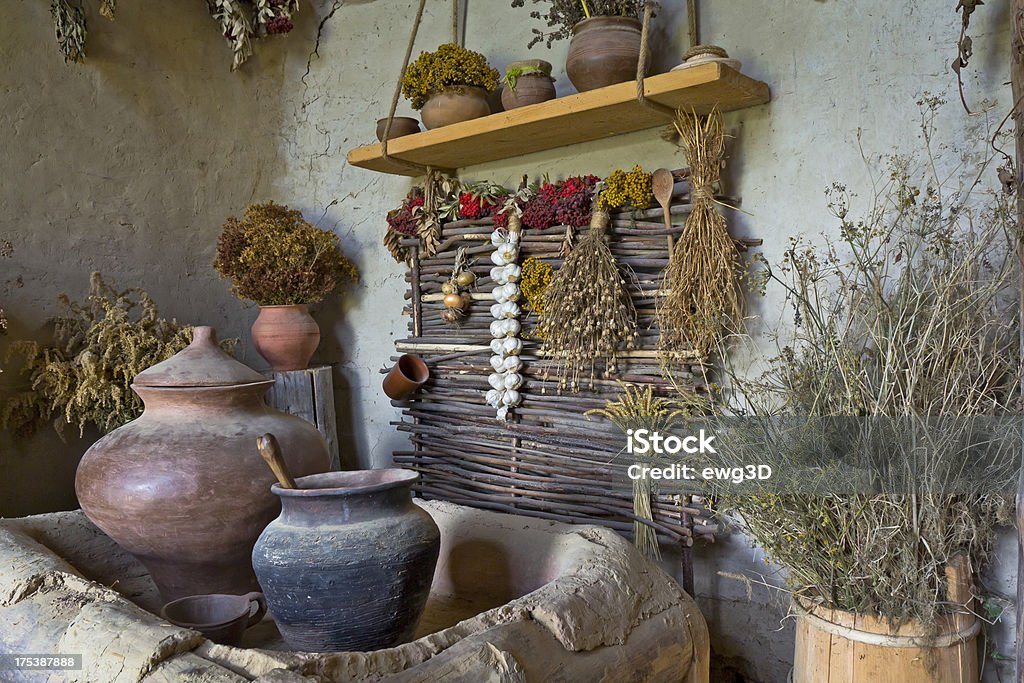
583, 117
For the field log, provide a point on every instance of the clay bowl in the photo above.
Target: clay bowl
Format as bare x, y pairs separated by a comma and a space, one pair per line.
221, 618
402, 125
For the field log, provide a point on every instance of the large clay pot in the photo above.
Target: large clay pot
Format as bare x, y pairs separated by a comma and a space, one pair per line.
183, 487
455, 104
349, 563
603, 51
286, 336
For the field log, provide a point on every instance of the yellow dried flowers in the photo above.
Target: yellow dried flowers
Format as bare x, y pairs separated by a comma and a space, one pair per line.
533, 282
627, 188
449, 66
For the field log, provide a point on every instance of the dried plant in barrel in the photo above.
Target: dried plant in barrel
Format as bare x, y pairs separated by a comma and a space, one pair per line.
701, 284
588, 314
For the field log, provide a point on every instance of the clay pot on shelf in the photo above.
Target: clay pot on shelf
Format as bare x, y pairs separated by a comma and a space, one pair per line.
459, 103
349, 563
286, 336
401, 125
183, 488
603, 51
527, 82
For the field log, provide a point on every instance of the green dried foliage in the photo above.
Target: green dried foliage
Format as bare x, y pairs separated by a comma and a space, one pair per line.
563, 15
450, 66
84, 378
912, 314
274, 257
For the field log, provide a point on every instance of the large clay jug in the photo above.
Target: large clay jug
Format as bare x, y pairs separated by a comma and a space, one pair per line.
349, 563
183, 488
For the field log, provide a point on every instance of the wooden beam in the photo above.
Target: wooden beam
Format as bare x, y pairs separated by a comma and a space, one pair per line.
1017, 87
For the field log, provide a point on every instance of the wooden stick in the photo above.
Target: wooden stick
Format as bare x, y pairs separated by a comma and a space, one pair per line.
271, 452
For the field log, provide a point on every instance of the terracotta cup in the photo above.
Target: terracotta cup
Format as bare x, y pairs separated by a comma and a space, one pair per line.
407, 375
221, 618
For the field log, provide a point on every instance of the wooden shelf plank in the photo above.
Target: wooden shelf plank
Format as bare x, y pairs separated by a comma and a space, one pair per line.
583, 117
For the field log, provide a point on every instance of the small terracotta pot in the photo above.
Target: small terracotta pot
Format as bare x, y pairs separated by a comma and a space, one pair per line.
407, 375
603, 51
402, 125
221, 618
530, 89
286, 336
455, 104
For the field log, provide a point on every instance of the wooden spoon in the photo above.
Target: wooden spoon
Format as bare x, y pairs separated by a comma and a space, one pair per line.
271, 452
662, 184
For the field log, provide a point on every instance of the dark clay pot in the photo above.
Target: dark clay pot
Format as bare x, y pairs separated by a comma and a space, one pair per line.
349, 563
458, 103
530, 89
603, 51
183, 488
400, 126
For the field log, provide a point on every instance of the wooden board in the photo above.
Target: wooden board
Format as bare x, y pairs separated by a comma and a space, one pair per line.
309, 394
583, 117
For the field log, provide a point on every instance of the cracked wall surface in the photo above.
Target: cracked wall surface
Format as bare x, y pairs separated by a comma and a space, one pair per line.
129, 164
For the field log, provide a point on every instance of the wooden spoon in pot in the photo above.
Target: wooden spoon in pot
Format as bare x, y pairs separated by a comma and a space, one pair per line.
271, 452
662, 184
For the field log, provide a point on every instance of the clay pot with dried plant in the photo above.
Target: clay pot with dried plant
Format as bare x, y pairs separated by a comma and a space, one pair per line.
527, 82
453, 105
277, 259
449, 85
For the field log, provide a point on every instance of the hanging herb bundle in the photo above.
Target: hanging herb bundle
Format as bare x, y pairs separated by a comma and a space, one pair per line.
702, 279
588, 313
69, 29
241, 21
639, 408
422, 214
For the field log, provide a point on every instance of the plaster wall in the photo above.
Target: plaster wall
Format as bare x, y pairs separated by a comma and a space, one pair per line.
129, 163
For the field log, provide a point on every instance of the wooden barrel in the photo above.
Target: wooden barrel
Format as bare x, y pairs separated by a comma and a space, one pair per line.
835, 646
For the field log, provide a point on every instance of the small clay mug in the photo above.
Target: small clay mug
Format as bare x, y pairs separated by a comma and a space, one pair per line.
402, 125
221, 618
408, 375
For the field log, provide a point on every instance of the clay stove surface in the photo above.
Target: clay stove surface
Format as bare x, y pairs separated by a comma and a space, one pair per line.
512, 596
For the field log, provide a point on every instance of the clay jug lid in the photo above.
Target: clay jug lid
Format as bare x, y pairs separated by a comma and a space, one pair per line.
201, 364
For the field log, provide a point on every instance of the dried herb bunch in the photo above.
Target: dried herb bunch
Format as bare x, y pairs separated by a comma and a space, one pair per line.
450, 66
274, 257
701, 283
639, 408
6, 251
909, 323
84, 378
588, 313
563, 15
69, 29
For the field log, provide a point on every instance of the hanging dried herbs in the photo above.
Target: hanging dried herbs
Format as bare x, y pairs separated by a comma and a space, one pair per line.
639, 408
588, 314
701, 284
69, 30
